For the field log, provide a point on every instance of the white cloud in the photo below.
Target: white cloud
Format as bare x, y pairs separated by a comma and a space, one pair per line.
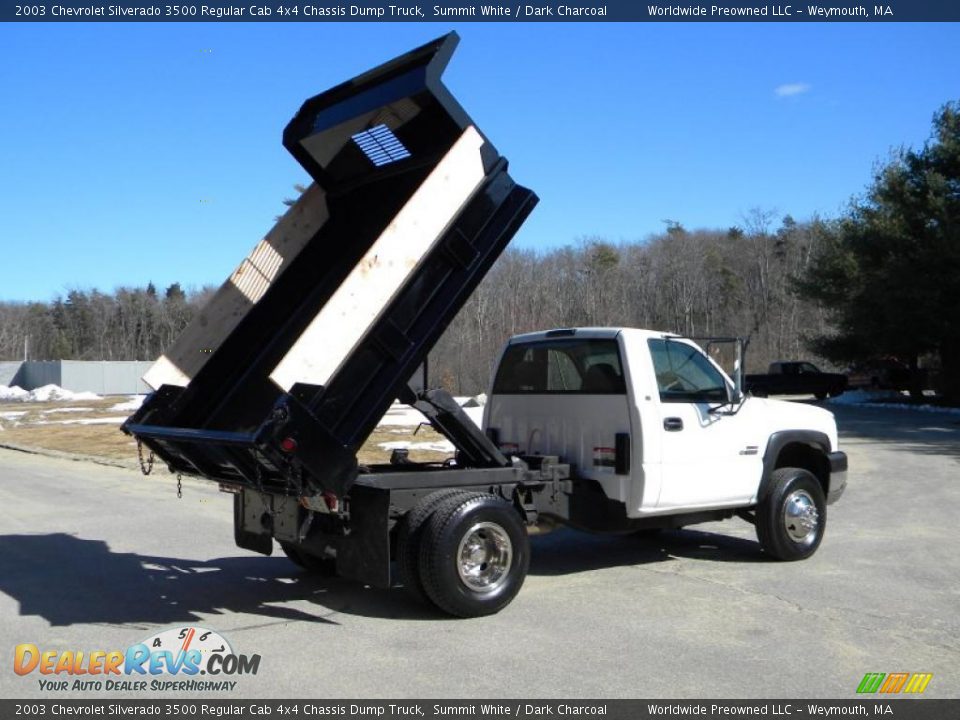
791, 89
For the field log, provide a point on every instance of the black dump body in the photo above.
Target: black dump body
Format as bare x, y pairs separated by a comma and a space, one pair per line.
369, 144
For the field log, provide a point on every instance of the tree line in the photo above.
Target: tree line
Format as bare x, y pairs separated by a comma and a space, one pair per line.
127, 324
735, 281
880, 281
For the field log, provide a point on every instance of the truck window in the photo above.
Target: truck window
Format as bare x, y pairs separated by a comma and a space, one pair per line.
684, 374
585, 367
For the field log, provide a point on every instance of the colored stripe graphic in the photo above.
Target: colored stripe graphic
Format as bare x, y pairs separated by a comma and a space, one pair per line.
894, 682
871, 682
918, 682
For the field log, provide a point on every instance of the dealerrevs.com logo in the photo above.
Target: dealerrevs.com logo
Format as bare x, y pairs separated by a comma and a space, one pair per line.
171, 660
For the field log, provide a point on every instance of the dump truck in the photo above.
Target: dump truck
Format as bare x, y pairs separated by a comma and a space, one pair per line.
282, 376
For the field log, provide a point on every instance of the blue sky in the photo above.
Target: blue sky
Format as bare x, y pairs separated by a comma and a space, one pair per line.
151, 152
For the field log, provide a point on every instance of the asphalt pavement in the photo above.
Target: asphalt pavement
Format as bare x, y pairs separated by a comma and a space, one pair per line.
98, 558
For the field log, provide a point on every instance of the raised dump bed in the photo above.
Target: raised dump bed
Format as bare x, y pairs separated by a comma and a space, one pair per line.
286, 372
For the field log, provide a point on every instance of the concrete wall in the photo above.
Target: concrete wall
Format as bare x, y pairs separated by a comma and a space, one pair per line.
8, 372
108, 377
36, 373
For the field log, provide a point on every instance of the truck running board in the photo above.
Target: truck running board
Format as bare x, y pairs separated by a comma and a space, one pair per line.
286, 372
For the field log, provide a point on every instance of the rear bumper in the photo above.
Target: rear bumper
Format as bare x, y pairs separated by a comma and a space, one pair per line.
838, 476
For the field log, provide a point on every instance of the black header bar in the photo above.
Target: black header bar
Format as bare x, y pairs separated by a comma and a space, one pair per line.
449, 11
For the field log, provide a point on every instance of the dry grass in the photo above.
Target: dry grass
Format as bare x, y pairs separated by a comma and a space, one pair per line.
41, 426
371, 453
46, 425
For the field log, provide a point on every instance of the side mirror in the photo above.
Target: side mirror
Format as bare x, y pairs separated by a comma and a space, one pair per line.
738, 394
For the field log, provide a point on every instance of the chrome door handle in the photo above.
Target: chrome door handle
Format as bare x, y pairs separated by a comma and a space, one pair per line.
672, 424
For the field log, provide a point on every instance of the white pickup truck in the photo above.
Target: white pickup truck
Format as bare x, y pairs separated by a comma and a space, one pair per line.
665, 437
277, 384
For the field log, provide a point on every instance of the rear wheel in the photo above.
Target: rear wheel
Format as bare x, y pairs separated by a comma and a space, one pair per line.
408, 538
820, 395
325, 566
792, 518
474, 555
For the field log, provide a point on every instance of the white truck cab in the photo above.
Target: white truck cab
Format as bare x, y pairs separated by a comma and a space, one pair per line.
662, 430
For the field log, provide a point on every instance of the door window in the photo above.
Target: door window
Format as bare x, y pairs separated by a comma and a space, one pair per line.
684, 374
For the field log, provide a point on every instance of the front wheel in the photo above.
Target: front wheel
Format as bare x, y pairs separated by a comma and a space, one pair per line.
474, 555
791, 519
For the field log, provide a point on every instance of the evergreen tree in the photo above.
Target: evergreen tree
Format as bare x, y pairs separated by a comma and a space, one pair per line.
889, 271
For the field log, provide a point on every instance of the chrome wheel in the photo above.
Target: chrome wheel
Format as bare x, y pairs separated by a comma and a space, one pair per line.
484, 557
800, 517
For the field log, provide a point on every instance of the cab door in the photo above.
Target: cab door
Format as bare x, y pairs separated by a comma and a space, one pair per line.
709, 456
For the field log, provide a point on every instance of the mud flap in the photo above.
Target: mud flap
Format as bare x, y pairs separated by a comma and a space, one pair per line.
364, 554
259, 543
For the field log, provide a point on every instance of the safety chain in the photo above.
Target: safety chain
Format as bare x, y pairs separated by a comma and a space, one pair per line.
179, 487
146, 466
258, 484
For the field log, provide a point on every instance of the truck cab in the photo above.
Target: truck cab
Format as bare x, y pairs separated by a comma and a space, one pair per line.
653, 421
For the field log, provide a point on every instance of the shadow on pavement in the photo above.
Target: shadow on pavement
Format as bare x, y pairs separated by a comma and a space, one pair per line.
68, 580
567, 551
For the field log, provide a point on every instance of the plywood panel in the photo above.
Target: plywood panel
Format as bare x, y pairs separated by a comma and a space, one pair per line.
240, 292
390, 261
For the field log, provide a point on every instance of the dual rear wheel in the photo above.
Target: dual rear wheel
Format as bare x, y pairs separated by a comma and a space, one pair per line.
466, 552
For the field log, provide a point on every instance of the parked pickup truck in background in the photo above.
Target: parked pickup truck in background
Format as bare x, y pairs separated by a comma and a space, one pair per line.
796, 378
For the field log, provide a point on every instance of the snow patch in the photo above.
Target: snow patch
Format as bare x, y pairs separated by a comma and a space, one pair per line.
47, 393
475, 414
881, 398
859, 397
84, 421
12, 394
442, 446
66, 409
133, 403
401, 415
12, 414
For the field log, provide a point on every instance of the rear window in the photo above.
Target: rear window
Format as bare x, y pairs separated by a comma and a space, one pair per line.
569, 366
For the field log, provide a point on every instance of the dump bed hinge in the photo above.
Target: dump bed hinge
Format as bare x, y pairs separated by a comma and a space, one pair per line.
474, 449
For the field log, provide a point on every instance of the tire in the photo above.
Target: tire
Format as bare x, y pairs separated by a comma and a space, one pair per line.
323, 566
408, 538
820, 395
474, 555
647, 533
792, 518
